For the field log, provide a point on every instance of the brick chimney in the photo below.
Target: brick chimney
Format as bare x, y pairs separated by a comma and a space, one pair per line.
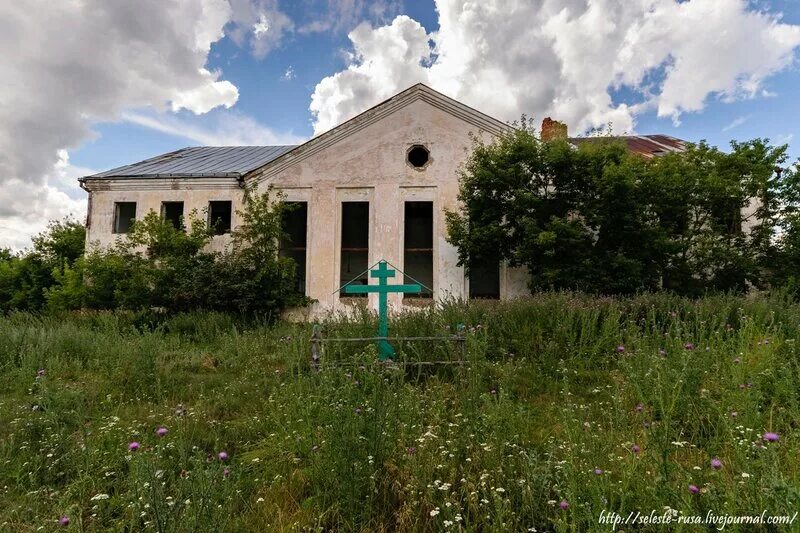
553, 129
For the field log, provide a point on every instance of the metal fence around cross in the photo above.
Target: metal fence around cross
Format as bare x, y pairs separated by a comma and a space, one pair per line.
458, 341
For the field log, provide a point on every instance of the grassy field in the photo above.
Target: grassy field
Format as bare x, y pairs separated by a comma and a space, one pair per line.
567, 406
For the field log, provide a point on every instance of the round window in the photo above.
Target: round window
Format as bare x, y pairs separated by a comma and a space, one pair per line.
418, 156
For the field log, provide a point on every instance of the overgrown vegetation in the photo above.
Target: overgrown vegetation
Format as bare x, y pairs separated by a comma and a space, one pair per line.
569, 405
157, 267
604, 220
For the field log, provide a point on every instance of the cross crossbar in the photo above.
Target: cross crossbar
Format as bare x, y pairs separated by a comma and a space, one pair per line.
382, 272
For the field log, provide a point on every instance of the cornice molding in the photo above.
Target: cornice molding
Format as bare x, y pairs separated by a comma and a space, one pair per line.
483, 122
160, 184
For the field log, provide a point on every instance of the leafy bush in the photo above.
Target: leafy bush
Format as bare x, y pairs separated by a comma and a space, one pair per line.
601, 219
162, 267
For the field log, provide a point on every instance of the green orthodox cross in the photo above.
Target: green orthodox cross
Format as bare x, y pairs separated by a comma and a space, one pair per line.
382, 272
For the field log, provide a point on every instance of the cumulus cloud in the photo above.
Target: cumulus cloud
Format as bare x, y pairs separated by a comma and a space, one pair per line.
69, 64
258, 25
566, 58
344, 15
26, 207
220, 129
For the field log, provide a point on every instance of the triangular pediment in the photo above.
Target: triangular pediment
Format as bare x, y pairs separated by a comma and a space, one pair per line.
415, 93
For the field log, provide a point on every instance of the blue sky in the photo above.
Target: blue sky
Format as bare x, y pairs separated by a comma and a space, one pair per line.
282, 104
97, 85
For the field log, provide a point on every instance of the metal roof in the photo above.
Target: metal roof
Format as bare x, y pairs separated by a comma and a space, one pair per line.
646, 145
200, 161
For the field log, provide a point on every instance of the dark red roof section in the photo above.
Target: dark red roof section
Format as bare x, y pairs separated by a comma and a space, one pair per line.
646, 145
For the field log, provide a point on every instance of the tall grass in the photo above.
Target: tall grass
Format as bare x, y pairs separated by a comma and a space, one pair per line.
599, 403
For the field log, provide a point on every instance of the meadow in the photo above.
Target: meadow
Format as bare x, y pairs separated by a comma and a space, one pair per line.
565, 406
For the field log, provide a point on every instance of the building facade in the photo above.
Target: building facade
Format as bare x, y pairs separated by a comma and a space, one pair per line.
375, 187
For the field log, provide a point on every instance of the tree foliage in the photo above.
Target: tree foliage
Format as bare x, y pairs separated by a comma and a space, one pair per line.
157, 266
601, 219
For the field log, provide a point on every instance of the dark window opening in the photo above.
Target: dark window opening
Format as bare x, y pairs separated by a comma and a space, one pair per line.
124, 215
173, 211
418, 156
219, 216
418, 246
355, 244
484, 280
294, 223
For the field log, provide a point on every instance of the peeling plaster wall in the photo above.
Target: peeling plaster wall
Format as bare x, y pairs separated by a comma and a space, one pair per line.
367, 164
148, 194
370, 165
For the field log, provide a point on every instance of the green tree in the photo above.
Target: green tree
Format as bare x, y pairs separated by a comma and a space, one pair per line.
599, 218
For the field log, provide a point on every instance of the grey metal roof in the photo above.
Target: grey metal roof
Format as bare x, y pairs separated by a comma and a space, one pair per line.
200, 161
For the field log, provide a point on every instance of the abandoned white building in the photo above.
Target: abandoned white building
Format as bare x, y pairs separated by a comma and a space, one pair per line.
375, 187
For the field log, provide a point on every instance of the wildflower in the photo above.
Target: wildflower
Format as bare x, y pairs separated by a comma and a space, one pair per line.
40, 374
716, 464
564, 504
771, 437
736, 361
98, 497
226, 472
620, 349
434, 512
662, 352
180, 410
635, 448
358, 410
223, 456
133, 446
260, 500
493, 392
598, 471
693, 489
162, 431
734, 414
689, 346
411, 450
63, 521
640, 408
314, 448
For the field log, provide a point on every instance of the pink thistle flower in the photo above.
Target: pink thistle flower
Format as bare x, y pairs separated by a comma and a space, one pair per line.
736, 361
226, 472
134, 446
620, 349
689, 346
694, 489
162, 431
411, 450
598, 471
40, 374
640, 408
716, 464
771, 437
564, 504
63, 521
223, 456
635, 449
734, 414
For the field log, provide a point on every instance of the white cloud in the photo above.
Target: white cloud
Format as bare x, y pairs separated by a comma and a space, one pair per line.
344, 15
219, 129
258, 25
289, 74
736, 123
68, 64
26, 207
564, 58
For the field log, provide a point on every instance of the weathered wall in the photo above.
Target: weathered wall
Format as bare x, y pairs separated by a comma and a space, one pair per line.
365, 163
370, 165
148, 194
